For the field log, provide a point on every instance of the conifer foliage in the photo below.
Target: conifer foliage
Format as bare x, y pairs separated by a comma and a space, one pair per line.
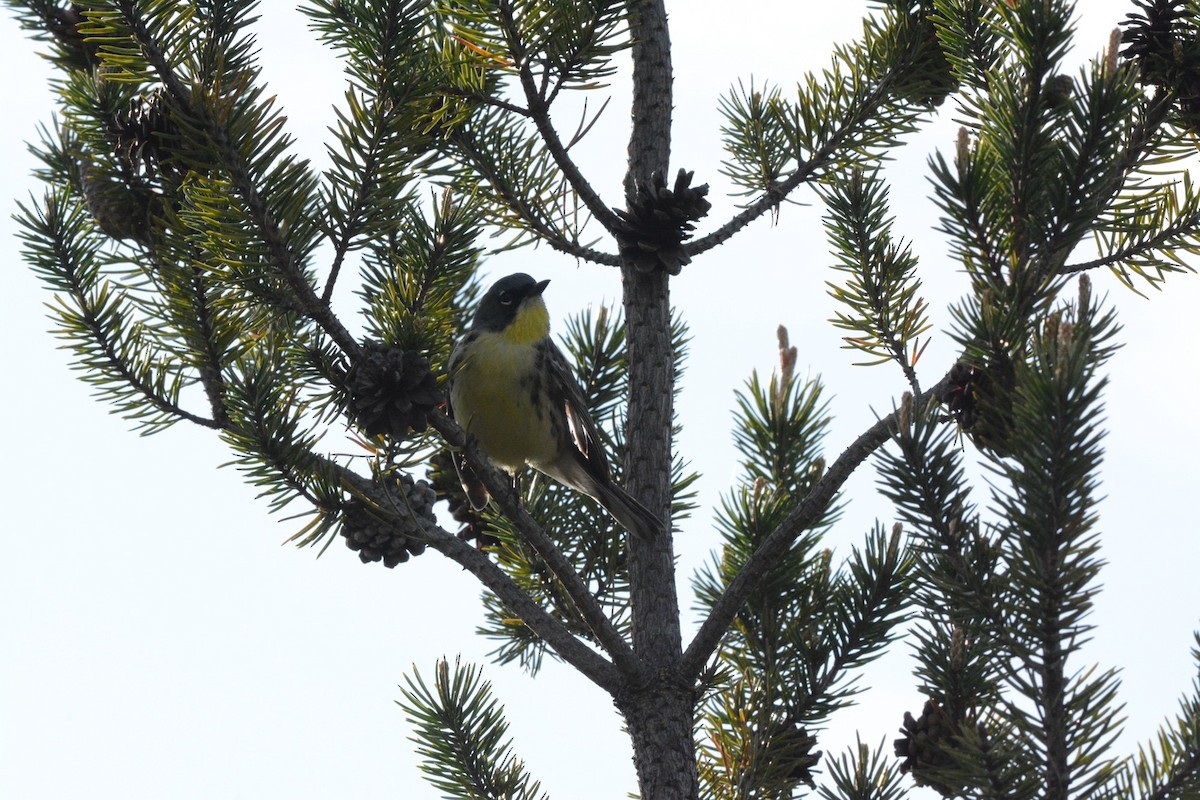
193, 260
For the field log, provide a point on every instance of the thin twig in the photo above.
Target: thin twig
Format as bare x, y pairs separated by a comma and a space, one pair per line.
542, 228
539, 112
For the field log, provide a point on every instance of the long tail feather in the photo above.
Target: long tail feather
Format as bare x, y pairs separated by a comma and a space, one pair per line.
632, 515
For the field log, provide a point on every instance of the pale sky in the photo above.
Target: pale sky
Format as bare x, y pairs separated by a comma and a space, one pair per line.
161, 642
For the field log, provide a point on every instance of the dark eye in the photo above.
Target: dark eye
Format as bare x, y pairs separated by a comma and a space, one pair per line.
506, 299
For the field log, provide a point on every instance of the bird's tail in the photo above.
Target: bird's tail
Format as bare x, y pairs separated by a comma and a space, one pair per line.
632, 515
595, 482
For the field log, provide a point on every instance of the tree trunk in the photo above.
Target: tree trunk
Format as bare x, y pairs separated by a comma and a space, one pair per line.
659, 708
659, 718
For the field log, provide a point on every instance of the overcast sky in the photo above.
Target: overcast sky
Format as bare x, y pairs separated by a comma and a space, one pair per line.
160, 641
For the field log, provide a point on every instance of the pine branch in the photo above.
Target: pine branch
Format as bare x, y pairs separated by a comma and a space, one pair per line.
285, 260
549, 630
538, 105
881, 288
863, 774
1092, 191
509, 501
419, 279
283, 460
396, 115
713, 629
210, 352
1179, 231
96, 320
961, 194
868, 604
462, 734
479, 158
837, 121
769, 200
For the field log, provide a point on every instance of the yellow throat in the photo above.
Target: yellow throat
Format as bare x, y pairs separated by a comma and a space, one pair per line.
531, 324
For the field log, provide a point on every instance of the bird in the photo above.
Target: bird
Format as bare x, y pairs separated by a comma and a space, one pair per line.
511, 389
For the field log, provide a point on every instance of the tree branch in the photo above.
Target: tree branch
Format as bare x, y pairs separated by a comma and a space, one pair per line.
342, 240
769, 200
1183, 227
515, 599
239, 175
542, 228
854, 119
539, 112
805, 514
572, 650
1136, 150
510, 503
211, 377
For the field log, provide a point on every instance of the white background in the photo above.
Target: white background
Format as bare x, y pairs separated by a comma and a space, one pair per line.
157, 641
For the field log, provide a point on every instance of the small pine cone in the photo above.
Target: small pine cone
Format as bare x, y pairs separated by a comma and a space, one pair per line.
391, 391
651, 232
923, 747
932, 78
138, 130
388, 528
1058, 91
980, 401
63, 24
444, 478
790, 750
121, 211
1162, 42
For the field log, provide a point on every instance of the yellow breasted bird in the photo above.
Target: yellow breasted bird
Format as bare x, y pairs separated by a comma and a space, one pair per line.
511, 388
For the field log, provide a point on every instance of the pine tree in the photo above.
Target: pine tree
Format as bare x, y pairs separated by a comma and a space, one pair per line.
194, 261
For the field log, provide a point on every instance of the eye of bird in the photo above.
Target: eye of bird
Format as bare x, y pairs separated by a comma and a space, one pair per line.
505, 299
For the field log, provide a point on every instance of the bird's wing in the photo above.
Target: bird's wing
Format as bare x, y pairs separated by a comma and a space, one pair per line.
579, 419
458, 352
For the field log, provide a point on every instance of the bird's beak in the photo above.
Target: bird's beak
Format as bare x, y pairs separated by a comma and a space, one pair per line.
539, 288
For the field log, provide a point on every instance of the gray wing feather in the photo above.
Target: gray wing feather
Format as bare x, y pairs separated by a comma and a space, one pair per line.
582, 427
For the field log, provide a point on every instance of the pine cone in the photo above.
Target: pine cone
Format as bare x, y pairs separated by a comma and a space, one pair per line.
1163, 42
1150, 35
121, 211
391, 391
659, 220
923, 747
388, 527
980, 401
932, 79
63, 24
1058, 91
790, 750
444, 479
139, 128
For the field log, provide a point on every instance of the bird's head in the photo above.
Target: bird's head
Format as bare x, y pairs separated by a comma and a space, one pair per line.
514, 308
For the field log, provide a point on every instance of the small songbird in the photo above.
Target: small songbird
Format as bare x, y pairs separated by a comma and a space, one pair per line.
511, 388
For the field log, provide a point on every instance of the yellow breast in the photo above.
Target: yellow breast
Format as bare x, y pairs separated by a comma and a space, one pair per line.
493, 398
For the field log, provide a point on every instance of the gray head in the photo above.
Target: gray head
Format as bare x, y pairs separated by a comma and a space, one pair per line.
499, 306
